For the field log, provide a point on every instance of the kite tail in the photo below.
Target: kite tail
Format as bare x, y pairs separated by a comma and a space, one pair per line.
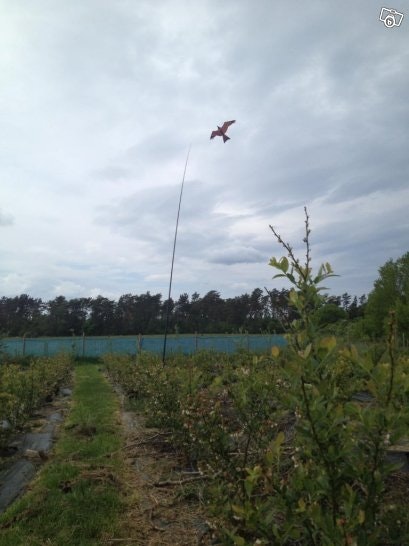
225, 137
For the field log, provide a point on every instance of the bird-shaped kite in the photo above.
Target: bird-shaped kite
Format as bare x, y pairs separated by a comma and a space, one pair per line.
221, 131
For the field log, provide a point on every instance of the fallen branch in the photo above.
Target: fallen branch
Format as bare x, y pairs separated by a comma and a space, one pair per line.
186, 480
111, 540
147, 440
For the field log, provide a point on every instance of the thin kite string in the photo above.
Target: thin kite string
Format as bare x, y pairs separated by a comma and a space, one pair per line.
173, 258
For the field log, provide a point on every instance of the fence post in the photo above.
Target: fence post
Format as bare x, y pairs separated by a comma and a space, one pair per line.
248, 342
139, 343
83, 344
24, 345
196, 342
73, 345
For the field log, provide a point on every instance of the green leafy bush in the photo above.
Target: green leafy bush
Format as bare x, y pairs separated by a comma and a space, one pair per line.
325, 485
296, 442
24, 388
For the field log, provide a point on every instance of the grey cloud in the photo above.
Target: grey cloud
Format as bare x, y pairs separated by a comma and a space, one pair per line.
236, 255
112, 173
115, 92
159, 144
151, 214
6, 219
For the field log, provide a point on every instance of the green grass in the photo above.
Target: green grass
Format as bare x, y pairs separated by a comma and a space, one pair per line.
77, 498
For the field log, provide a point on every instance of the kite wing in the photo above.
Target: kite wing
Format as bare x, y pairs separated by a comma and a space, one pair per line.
215, 133
227, 124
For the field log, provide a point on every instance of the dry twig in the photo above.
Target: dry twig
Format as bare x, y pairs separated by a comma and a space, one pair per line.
186, 480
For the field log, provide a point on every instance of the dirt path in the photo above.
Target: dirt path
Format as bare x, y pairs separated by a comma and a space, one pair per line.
163, 511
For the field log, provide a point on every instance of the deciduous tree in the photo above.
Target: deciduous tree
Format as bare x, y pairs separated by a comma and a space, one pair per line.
390, 292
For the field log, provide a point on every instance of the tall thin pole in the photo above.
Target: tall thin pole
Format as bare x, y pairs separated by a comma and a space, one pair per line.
173, 260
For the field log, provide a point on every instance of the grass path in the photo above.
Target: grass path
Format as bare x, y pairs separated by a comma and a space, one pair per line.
78, 496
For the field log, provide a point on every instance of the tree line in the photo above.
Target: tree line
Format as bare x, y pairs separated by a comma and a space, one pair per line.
257, 312
261, 311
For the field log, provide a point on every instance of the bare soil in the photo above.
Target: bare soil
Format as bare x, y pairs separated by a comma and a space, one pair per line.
165, 506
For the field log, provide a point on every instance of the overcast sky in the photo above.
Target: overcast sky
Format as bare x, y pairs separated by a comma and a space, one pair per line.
100, 100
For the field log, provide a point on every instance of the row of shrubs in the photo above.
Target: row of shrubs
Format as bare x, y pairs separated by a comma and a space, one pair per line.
290, 469
297, 442
24, 386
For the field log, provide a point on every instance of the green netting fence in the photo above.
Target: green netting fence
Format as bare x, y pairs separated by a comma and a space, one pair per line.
95, 346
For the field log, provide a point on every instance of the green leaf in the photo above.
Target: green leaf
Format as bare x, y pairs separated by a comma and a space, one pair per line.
293, 296
328, 343
275, 351
301, 505
284, 264
275, 445
248, 486
238, 510
306, 352
217, 381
